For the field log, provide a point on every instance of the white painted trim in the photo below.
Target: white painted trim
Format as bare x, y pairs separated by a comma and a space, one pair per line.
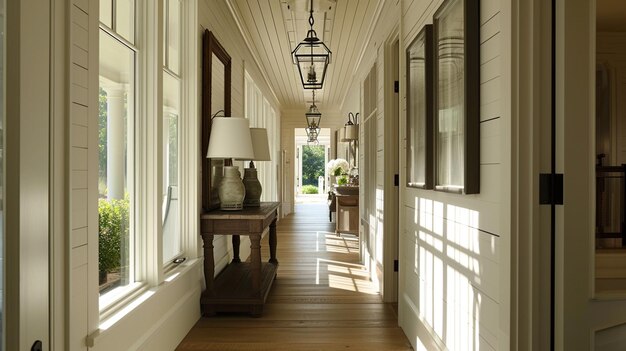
27, 183
92, 288
149, 154
138, 326
59, 177
389, 290
190, 156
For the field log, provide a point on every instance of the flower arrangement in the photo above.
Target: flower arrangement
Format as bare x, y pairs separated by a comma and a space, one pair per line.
337, 167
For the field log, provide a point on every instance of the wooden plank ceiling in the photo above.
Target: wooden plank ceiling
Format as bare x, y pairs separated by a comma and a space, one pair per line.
274, 27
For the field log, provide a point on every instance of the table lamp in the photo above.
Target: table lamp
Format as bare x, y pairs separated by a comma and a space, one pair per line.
250, 179
230, 138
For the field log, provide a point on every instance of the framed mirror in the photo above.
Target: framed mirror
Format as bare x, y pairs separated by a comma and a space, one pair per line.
216, 85
419, 131
456, 30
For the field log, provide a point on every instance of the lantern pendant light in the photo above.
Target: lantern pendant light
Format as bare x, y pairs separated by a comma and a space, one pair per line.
312, 134
312, 57
313, 116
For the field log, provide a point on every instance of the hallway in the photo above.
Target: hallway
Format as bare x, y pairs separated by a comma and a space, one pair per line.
321, 299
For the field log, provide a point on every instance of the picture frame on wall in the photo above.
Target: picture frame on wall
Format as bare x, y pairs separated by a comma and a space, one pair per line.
456, 29
420, 100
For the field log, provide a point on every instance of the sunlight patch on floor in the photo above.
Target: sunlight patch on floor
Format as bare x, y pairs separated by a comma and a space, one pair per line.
345, 276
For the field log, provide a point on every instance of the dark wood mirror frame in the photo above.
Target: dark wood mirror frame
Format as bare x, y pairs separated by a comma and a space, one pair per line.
471, 88
210, 47
424, 37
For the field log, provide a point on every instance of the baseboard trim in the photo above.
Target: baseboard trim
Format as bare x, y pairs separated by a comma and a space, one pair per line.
421, 336
176, 302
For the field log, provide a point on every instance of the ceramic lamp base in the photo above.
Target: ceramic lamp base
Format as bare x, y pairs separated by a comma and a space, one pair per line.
253, 188
231, 190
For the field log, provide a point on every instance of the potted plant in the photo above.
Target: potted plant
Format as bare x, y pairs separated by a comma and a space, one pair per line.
338, 169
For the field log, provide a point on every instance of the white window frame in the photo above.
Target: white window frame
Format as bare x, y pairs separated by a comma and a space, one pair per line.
151, 274
170, 265
107, 303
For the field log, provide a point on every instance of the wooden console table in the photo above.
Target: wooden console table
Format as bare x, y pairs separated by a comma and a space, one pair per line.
241, 286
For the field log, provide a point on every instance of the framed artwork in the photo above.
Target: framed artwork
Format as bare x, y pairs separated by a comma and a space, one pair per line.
216, 72
456, 27
419, 61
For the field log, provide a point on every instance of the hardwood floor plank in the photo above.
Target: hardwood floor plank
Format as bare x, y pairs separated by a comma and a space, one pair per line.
322, 298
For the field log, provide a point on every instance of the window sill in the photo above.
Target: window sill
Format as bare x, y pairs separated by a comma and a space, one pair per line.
139, 297
116, 299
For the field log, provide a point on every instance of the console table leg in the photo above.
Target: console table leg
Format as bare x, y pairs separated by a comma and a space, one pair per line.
255, 261
273, 242
236, 241
209, 263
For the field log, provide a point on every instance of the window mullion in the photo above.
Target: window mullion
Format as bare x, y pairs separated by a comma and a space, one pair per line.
166, 34
118, 37
114, 15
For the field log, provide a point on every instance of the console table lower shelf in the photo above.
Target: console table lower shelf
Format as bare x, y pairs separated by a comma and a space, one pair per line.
241, 286
234, 291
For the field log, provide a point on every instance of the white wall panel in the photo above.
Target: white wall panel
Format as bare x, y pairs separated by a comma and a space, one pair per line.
452, 250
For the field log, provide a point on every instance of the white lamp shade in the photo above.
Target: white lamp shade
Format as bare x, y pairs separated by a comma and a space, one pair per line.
260, 144
230, 138
351, 132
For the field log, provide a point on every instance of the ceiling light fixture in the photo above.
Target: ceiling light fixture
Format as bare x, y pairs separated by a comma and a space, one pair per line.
313, 115
312, 57
312, 134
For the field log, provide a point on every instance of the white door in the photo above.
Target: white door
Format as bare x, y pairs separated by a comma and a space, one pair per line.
584, 319
25, 188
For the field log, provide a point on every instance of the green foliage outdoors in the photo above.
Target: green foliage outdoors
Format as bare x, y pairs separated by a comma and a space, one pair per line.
309, 189
342, 180
312, 164
113, 221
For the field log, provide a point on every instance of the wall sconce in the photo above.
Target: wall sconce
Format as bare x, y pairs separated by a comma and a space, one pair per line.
351, 128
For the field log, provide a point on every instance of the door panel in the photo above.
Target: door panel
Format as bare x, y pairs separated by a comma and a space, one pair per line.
26, 186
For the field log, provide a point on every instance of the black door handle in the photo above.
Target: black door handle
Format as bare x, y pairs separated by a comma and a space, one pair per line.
37, 346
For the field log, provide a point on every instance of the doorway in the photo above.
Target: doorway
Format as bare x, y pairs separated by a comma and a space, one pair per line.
567, 113
310, 176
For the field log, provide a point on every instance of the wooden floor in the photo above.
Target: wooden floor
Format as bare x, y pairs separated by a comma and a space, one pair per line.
321, 299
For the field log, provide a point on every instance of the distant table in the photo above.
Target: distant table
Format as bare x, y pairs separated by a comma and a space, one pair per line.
347, 214
241, 286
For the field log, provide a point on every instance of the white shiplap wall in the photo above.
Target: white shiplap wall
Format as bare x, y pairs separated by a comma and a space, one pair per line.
454, 249
83, 90
455, 245
216, 17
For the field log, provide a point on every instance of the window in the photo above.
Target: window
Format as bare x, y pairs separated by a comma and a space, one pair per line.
171, 128
116, 202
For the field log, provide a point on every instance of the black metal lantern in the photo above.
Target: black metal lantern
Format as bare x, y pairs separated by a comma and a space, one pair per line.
312, 134
312, 57
313, 115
